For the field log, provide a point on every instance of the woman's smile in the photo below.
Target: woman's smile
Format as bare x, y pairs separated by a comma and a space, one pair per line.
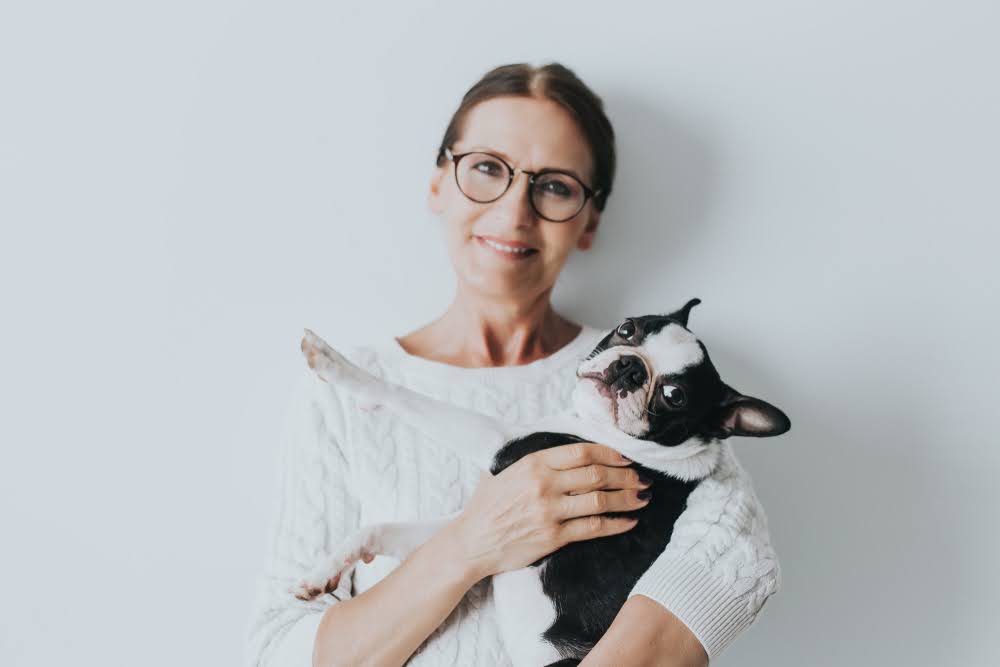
510, 250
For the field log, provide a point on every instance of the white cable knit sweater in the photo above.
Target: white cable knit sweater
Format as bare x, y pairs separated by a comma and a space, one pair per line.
343, 467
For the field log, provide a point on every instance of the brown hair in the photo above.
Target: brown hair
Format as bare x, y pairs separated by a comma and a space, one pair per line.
559, 84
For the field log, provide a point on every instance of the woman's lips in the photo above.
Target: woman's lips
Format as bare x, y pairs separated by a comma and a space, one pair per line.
515, 256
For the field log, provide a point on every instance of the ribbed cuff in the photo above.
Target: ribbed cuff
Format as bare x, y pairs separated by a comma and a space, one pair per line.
706, 605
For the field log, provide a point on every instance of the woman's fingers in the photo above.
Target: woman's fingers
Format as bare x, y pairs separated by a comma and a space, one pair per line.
595, 525
577, 454
599, 502
596, 476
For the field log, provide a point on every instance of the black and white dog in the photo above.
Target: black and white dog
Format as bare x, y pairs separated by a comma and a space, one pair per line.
647, 390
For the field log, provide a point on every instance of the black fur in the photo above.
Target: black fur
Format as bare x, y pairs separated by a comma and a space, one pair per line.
589, 581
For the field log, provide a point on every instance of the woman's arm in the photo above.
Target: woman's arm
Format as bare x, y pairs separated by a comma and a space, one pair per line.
712, 579
384, 625
645, 634
316, 509
533, 507
542, 501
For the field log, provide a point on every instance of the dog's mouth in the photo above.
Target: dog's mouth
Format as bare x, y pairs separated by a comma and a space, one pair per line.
625, 404
605, 390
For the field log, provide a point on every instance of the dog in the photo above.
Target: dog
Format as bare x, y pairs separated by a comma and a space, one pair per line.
649, 390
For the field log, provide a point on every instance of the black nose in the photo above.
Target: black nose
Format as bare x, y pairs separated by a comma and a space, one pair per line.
627, 372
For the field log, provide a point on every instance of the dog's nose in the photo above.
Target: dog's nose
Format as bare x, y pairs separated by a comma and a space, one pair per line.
628, 372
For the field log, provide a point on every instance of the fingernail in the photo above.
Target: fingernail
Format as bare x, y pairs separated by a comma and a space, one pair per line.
645, 494
643, 480
625, 458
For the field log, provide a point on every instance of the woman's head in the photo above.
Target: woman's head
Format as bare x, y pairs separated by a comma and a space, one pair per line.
533, 119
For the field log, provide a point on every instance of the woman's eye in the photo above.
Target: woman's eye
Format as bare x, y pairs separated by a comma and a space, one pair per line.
674, 395
556, 188
626, 329
488, 168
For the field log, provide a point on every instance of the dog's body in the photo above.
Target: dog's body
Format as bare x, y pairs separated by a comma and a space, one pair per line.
647, 390
610, 565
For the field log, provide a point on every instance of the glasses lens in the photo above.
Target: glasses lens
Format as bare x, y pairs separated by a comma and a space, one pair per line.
482, 177
558, 197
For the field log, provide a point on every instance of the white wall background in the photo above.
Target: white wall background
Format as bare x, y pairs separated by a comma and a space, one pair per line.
185, 185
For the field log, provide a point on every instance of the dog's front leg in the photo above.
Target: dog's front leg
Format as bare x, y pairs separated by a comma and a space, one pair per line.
396, 539
467, 433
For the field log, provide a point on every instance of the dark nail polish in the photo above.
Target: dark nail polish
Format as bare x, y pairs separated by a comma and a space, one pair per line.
645, 494
643, 480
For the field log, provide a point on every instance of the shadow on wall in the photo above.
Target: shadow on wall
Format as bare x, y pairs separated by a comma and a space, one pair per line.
869, 533
868, 495
666, 177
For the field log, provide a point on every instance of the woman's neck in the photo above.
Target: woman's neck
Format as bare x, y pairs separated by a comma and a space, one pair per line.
476, 332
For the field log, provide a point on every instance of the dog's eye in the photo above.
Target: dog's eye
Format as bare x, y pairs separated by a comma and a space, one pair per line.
626, 329
674, 396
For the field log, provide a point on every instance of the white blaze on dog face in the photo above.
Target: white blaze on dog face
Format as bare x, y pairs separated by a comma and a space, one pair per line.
672, 349
665, 352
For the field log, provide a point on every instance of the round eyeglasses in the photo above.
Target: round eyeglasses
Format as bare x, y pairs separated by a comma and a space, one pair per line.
555, 195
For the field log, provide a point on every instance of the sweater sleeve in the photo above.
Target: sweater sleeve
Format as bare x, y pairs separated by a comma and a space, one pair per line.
315, 509
719, 568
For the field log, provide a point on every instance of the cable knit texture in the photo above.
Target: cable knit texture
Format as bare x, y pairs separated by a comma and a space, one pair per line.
343, 468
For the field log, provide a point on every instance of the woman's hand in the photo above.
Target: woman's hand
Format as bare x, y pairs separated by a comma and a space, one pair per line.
544, 501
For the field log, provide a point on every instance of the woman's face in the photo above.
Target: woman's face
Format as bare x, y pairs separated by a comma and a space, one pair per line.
532, 134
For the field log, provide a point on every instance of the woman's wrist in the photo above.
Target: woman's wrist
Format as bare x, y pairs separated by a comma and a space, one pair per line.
406, 606
453, 550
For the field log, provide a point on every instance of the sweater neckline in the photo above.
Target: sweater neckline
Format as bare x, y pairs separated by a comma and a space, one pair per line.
576, 349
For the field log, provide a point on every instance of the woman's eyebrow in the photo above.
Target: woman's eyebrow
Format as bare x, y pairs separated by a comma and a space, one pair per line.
499, 152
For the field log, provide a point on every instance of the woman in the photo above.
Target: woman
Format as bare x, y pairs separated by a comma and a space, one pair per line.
501, 349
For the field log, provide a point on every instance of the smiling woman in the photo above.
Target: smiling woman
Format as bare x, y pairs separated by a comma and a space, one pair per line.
489, 206
521, 178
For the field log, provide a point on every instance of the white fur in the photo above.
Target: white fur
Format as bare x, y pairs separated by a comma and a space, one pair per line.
525, 612
671, 350
666, 352
394, 539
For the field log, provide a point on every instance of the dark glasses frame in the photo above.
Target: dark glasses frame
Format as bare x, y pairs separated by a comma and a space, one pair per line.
588, 193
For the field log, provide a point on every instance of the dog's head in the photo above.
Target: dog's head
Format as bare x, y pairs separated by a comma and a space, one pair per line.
651, 378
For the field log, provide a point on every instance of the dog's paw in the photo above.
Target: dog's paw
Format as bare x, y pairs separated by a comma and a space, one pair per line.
326, 578
321, 357
330, 365
311, 588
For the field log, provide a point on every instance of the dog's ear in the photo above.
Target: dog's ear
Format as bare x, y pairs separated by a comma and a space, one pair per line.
736, 414
682, 314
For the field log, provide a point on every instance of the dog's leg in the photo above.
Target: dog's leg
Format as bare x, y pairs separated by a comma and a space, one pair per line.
396, 539
467, 433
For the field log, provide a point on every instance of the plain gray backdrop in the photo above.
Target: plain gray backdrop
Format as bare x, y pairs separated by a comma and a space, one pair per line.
184, 186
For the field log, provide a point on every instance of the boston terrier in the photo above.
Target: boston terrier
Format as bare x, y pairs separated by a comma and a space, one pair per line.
647, 390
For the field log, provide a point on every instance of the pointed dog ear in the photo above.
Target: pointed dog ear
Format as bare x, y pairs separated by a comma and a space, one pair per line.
737, 414
681, 315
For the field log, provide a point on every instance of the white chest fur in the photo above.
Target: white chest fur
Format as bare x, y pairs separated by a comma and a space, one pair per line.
524, 613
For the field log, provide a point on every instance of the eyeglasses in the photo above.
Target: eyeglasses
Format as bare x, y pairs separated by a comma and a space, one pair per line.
555, 195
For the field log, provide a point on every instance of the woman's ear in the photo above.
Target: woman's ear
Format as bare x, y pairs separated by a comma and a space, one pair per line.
434, 195
587, 237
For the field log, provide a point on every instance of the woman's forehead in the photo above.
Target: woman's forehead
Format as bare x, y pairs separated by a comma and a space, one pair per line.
531, 133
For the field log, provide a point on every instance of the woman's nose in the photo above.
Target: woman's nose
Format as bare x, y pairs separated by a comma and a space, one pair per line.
515, 203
